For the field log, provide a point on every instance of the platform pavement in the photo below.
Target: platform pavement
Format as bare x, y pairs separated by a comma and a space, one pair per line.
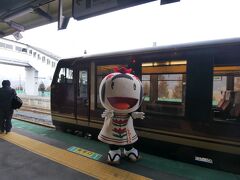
19, 164
22, 164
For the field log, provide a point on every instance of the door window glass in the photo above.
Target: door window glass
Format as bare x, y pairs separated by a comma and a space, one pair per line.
146, 87
65, 76
83, 84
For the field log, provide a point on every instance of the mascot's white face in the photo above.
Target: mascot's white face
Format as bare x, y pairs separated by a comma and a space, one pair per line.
121, 92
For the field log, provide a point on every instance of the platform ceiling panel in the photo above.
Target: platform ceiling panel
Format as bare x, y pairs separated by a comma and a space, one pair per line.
21, 15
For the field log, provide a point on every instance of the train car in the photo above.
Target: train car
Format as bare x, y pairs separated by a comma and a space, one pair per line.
191, 99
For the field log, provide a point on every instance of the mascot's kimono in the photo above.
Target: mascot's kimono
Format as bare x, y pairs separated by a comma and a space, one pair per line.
121, 94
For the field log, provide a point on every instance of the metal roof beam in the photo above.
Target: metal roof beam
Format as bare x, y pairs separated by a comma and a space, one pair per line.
42, 13
62, 20
168, 1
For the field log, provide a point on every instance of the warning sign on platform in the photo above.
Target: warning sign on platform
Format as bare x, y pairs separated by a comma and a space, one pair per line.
85, 152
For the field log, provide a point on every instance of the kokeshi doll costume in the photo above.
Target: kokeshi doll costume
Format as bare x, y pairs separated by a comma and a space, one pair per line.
121, 94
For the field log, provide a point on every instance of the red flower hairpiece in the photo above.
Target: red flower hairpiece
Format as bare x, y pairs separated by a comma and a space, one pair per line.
123, 70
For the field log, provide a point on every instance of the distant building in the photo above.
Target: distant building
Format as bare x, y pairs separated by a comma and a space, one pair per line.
39, 63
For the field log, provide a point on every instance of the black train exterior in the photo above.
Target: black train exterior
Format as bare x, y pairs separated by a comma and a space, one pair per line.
191, 128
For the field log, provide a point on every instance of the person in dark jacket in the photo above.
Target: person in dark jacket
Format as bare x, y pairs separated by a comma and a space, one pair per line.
6, 110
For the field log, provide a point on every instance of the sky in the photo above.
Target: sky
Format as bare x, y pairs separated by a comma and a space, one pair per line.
136, 27
140, 26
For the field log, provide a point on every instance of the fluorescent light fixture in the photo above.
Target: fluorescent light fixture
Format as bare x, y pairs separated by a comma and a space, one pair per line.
18, 14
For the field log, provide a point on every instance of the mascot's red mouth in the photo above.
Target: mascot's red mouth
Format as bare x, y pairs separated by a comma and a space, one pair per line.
122, 102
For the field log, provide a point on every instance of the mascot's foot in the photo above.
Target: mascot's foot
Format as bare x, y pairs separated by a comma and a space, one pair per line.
132, 154
114, 156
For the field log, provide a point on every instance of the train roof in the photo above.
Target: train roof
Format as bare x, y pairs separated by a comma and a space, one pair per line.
165, 48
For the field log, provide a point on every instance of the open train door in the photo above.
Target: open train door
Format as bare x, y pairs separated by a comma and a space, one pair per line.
82, 95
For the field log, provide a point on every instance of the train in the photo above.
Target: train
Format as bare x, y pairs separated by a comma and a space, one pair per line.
191, 99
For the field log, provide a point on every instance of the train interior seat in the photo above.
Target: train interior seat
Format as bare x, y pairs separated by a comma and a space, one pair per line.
235, 111
229, 106
165, 108
227, 101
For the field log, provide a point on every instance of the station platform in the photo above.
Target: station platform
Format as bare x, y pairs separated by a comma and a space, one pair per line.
36, 152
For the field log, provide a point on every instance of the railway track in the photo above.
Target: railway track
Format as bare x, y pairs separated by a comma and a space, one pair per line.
34, 109
34, 115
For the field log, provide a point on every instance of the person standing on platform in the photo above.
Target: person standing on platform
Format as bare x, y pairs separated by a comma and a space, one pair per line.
6, 111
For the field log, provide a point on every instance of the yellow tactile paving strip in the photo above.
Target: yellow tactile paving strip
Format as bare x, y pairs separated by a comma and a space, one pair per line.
82, 164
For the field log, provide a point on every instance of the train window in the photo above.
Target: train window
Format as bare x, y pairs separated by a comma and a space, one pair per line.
9, 46
237, 83
83, 84
2, 45
146, 87
102, 71
24, 50
170, 87
43, 59
17, 48
164, 87
65, 76
53, 64
226, 93
219, 86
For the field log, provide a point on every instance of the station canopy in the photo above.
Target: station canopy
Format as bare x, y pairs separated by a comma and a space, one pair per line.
20, 15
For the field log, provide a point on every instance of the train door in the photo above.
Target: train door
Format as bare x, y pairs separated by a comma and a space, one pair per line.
62, 96
82, 96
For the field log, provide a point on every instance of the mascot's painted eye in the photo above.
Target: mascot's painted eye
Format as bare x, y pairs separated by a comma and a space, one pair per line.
112, 84
134, 86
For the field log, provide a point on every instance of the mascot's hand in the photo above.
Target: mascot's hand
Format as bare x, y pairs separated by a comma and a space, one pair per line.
107, 114
138, 115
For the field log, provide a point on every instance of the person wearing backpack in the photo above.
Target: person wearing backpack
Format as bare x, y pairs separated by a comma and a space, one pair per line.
6, 110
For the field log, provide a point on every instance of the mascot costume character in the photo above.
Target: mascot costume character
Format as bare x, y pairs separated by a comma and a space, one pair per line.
121, 94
